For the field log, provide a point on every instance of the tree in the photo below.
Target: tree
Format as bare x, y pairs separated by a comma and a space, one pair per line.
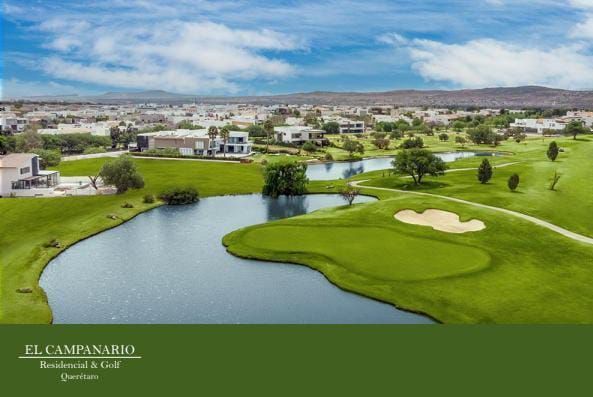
256, 131
122, 173
513, 182
381, 143
555, 179
349, 193
460, 140
114, 134
224, 134
331, 127
285, 178
3, 144
417, 163
574, 128
269, 130
413, 143
553, 151
481, 134
48, 158
212, 134
352, 146
309, 147
443, 137
484, 171
29, 140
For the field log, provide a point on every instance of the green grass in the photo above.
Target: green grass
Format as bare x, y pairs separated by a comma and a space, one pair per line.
28, 224
569, 206
510, 272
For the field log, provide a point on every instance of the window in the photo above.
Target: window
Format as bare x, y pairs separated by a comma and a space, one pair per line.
25, 170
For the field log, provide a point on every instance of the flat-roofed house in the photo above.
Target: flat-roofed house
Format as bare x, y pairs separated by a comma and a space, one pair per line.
20, 175
195, 142
298, 135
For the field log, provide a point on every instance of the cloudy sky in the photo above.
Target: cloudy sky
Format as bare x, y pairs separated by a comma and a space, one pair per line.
262, 47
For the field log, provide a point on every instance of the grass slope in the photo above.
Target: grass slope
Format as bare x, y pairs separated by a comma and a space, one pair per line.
511, 272
29, 224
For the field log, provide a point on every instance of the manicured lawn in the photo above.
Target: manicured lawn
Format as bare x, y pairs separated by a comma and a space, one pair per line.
511, 272
28, 224
570, 206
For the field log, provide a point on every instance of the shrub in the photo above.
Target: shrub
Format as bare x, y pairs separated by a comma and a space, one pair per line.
180, 196
127, 205
148, 199
328, 156
484, 171
513, 182
553, 151
94, 150
413, 143
309, 147
443, 137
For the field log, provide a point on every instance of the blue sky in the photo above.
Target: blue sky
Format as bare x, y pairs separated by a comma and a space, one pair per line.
264, 47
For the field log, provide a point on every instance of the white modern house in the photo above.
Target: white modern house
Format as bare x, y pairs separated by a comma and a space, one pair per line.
298, 135
99, 129
347, 126
539, 125
20, 176
196, 142
13, 125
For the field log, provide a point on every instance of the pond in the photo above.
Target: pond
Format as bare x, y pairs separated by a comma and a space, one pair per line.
343, 170
168, 266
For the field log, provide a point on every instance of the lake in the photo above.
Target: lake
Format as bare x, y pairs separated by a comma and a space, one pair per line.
168, 265
343, 170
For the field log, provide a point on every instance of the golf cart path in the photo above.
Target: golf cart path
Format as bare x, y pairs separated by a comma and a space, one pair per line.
529, 218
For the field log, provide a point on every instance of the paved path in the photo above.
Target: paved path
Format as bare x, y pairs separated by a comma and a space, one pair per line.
529, 218
94, 155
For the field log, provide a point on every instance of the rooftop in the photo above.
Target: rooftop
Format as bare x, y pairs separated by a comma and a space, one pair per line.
15, 159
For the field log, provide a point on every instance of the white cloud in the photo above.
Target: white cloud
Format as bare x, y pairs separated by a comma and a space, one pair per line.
488, 63
583, 4
186, 57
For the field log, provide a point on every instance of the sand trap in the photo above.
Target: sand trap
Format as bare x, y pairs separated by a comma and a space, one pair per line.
440, 220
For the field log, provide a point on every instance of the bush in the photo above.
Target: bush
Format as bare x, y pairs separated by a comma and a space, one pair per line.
127, 205
180, 196
513, 182
94, 150
413, 143
309, 147
148, 199
328, 156
48, 158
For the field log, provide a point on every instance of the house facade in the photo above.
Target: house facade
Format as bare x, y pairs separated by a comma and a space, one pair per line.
298, 135
539, 125
20, 175
195, 142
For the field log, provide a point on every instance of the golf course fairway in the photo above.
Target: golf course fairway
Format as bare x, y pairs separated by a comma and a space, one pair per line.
510, 272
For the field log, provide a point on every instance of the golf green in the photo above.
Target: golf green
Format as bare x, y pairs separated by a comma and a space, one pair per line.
383, 253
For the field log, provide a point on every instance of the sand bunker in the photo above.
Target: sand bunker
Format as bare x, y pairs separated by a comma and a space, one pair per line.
440, 220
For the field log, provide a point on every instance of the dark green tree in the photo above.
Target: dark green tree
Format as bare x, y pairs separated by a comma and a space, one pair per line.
352, 146
282, 178
484, 171
513, 182
122, 173
331, 127
417, 163
553, 151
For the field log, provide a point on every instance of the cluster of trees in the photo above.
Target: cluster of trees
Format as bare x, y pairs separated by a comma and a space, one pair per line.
483, 134
285, 178
31, 141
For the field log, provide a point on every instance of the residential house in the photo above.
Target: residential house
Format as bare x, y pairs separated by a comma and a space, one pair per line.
195, 142
20, 175
298, 135
539, 125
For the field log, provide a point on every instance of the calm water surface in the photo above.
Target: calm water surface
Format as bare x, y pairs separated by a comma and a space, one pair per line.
344, 170
168, 266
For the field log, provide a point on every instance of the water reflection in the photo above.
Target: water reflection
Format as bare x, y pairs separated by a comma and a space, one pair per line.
168, 266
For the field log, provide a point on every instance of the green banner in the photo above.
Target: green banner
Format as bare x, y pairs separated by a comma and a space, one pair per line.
298, 360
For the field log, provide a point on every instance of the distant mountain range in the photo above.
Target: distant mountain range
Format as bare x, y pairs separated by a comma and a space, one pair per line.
512, 97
